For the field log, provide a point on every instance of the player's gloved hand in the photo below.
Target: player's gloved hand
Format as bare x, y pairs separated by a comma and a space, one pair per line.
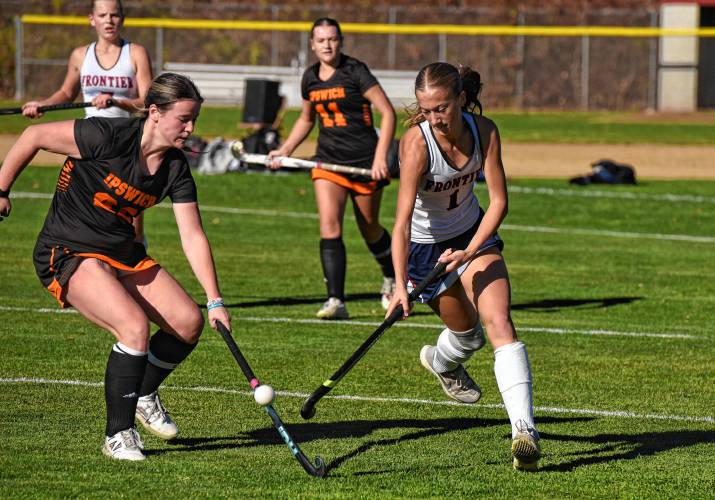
5, 207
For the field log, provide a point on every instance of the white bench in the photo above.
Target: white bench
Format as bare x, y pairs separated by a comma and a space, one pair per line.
225, 84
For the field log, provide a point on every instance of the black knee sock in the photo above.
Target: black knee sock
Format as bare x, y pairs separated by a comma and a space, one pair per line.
332, 257
122, 380
165, 353
382, 251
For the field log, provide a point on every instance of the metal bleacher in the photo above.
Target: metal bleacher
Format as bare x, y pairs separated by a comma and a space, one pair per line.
225, 84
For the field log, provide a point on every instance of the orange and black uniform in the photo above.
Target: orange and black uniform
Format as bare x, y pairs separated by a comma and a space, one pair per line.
97, 198
346, 132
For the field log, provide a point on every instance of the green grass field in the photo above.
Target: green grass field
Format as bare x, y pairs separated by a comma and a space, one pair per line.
612, 293
551, 127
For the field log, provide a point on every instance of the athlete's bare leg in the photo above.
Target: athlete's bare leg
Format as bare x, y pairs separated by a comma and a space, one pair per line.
486, 283
88, 291
166, 303
367, 215
331, 199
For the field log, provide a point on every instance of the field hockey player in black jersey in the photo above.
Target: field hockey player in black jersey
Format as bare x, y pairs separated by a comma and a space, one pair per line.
339, 92
87, 258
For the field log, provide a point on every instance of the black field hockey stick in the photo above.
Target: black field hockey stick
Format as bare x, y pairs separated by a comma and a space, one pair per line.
317, 470
52, 107
308, 409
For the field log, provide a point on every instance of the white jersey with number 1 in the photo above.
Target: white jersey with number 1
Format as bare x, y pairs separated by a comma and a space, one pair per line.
446, 205
120, 81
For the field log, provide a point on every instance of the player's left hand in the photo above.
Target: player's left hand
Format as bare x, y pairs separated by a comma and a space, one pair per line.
379, 169
220, 314
102, 101
454, 259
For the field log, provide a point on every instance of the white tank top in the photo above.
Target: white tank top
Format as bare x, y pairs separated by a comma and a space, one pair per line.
446, 205
119, 81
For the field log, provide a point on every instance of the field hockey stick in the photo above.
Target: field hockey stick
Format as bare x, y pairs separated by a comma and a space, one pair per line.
286, 161
308, 409
52, 107
317, 470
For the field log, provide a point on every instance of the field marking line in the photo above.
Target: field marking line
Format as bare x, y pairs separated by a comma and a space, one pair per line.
370, 399
433, 326
507, 227
626, 195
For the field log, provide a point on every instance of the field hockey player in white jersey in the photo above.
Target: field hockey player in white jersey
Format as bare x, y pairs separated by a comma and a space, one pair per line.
439, 220
108, 69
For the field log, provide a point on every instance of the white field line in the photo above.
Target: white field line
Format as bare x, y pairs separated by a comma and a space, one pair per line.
624, 195
508, 227
432, 326
429, 402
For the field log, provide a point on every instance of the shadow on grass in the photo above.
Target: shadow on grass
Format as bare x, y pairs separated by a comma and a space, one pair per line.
306, 432
545, 305
555, 305
613, 447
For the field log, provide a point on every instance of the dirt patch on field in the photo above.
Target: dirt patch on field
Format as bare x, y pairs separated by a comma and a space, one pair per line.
652, 161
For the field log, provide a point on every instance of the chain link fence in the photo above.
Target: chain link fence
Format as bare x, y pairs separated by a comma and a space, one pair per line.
544, 72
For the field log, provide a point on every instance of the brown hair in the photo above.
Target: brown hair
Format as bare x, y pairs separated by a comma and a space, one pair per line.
447, 76
327, 21
168, 88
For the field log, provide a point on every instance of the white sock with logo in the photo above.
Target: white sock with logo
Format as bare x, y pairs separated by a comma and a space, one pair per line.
513, 374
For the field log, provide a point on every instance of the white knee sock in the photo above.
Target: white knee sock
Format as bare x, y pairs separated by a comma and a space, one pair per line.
455, 348
511, 367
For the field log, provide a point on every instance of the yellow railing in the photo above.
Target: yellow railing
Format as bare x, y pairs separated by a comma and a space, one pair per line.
387, 29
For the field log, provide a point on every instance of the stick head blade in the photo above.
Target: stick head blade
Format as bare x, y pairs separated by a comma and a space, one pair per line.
307, 411
237, 149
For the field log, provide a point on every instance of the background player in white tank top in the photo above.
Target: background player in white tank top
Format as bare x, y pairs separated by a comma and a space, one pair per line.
443, 148
124, 61
109, 56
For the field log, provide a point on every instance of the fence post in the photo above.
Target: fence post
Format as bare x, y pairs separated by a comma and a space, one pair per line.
19, 70
274, 38
159, 51
653, 65
520, 42
585, 63
442, 47
392, 19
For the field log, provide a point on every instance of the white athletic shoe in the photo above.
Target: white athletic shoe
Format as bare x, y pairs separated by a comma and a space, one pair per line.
525, 447
387, 291
456, 384
154, 417
333, 308
124, 445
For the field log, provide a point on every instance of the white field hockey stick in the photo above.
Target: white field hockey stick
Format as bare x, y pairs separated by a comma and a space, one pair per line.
288, 162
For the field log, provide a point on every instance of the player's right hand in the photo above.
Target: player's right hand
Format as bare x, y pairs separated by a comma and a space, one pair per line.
399, 297
274, 164
29, 109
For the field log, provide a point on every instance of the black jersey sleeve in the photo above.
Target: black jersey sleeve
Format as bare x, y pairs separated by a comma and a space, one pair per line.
364, 77
308, 77
94, 137
183, 187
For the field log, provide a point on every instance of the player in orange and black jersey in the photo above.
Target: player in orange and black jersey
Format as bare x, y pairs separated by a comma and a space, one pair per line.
86, 257
339, 92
